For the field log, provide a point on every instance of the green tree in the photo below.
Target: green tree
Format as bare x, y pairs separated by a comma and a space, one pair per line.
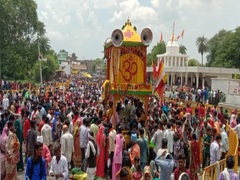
20, 28
182, 49
98, 63
193, 62
224, 49
213, 47
201, 43
160, 48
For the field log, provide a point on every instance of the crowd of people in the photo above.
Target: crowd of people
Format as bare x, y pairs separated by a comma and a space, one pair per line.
205, 95
59, 129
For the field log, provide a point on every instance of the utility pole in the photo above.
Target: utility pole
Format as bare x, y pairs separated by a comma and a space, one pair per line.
40, 61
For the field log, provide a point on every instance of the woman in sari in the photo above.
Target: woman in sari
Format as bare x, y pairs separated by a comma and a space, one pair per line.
101, 159
117, 158
12, 153
195, 157
19, 133
3, 142
77, 156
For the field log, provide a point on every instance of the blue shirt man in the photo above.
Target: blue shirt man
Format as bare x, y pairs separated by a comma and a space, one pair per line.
166, 163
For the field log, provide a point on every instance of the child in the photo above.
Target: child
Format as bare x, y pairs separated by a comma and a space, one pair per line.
138, 174
136, 161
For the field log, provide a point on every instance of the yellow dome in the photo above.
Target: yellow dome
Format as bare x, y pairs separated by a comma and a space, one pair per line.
130, 35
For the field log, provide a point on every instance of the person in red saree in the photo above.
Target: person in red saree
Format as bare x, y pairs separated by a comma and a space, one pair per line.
101, 159
12, 153
195, 157
77, 155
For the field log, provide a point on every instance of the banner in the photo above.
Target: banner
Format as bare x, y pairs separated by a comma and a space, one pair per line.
131, 69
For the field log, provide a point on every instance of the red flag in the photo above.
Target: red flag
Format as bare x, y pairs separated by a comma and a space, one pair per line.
161, 38
154, 70
160, 88
178, 37
182, 33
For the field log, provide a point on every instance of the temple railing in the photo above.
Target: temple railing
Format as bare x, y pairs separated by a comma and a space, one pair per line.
211, 172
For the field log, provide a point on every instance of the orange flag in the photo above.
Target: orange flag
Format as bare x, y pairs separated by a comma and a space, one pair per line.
182, 33
161, 38
161, 79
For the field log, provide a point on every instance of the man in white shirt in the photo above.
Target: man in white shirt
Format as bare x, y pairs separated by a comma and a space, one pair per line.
225, 143
59, 164
111, 149
157, 138
168, 134
67, 145
215, 147
5, 102
46, 133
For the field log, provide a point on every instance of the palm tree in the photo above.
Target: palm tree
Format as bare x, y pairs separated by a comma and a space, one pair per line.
201, 43
45, 47
182, 49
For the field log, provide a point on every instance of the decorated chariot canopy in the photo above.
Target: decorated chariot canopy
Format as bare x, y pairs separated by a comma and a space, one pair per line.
126, 54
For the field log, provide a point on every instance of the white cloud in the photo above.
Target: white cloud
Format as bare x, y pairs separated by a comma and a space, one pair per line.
82, 26
133, 9
56, 35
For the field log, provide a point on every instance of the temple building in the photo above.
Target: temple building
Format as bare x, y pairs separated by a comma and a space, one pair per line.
179, 73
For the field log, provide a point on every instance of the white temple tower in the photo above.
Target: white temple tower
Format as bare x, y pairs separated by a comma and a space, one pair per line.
172, 57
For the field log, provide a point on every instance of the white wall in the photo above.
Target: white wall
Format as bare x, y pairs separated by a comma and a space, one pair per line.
220, 84
67, 68
234, 100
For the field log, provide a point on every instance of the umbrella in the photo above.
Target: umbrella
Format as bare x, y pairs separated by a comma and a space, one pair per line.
87, 75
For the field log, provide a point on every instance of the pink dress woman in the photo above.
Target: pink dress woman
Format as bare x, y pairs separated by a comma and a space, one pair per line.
101, 159
117, 158
77, 156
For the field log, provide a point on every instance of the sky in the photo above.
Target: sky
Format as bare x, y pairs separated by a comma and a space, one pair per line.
82, 26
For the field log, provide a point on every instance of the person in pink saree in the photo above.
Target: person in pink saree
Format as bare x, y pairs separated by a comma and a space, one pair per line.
101, 159
117, 158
